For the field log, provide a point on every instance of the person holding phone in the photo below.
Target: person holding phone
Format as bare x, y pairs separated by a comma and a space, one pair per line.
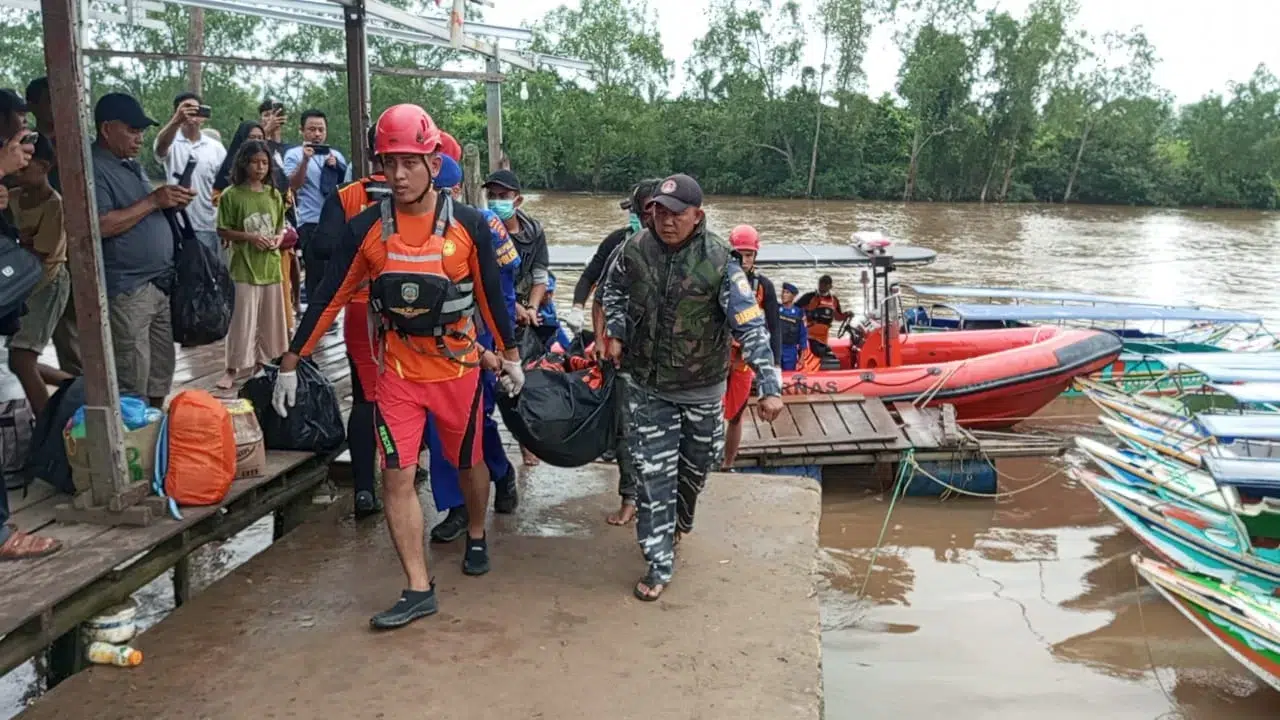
315, 171
180, 142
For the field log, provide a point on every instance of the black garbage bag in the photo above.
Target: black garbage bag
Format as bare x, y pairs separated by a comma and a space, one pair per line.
581, 341
47, 457
314, 423
567, 419
529, 343
203, 295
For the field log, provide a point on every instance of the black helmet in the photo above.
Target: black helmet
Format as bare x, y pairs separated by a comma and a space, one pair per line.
640, 194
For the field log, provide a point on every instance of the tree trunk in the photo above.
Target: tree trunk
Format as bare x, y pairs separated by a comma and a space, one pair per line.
195, 46
1008, 174
1075, 167
910, 188
986, 184
817, 132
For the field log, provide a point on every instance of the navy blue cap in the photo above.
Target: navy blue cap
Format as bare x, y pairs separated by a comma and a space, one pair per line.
504, 179
123, 108
450, 174
788, 287
678, 193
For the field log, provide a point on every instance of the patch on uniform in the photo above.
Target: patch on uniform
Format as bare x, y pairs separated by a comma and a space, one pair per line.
449, 248
668, 187
743, 285
507, 254
408, 292
748, 315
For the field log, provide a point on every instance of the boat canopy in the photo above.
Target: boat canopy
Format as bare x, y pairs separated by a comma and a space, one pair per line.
1229, 367
1250, 392
1253, 426
1034, 313
958, 291
577, 256
1250, 472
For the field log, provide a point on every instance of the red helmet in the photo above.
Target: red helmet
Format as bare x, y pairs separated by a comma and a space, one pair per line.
744, 237
406, 129
450, 147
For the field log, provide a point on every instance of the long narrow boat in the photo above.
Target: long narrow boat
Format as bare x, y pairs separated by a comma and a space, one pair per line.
1244, 624
1184, 533
1261, 518
994, 378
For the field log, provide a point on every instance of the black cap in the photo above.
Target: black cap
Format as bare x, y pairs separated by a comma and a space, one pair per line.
678, 193
504, 179
122, 107
44, 150
11, 101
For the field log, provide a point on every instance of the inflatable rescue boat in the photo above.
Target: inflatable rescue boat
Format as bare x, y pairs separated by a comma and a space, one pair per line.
994, 378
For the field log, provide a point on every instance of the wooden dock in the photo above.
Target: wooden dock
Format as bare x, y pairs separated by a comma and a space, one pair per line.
43, 600
859, 430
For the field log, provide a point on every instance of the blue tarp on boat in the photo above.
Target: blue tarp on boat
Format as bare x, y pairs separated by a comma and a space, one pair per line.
1253, 426
1250, 392
1245, 473
1209, 361
1035, 313
1042, 295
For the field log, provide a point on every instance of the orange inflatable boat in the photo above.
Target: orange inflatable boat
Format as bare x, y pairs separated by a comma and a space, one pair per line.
994, 378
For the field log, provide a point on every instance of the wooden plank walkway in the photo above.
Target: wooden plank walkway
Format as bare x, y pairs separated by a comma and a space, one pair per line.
98, 565
816, 426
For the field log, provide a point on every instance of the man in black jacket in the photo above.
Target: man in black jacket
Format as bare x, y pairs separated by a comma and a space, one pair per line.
634, 205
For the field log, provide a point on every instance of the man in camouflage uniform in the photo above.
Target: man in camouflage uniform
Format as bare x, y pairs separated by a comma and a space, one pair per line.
673, 299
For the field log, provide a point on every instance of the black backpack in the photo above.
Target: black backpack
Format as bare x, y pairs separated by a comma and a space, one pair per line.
47, 459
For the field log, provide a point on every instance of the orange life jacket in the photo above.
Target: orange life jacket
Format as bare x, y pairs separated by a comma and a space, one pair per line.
414, 293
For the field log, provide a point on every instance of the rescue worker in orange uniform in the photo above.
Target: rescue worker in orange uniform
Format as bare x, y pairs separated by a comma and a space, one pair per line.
822, 309
745, 241
430, 267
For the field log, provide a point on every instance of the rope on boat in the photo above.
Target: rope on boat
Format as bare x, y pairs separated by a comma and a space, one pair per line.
899, 489
1146, 640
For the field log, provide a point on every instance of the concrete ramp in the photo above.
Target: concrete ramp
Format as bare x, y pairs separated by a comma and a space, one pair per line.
553, 632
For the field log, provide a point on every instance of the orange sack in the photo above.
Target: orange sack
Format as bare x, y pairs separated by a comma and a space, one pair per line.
202, 449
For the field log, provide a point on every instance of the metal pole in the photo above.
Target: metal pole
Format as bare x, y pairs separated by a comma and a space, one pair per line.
357, 84
103, 425
493, 107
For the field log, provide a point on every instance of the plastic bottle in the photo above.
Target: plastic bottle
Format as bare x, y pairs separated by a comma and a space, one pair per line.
108, 654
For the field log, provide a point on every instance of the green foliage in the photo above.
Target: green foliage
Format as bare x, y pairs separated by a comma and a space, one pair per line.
989, 105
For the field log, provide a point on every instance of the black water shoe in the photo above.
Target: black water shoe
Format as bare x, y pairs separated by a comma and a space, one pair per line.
413, 604
476, 560
421, 475
506, 496
367, 504
452, 527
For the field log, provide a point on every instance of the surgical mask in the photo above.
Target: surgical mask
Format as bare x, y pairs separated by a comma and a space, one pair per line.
634, 220
504, 209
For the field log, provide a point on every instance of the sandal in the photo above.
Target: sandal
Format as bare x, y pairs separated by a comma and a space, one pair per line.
655, 588
25, 546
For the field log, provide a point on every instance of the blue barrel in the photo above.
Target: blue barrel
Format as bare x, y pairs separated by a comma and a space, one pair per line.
976, 476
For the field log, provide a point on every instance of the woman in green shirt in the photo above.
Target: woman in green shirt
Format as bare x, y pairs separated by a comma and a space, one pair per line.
251, 220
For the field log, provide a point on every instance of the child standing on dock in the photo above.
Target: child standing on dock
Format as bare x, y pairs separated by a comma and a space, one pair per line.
792, 330
251, 218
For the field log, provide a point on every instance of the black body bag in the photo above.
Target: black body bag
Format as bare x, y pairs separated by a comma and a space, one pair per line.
202, 296
567, 419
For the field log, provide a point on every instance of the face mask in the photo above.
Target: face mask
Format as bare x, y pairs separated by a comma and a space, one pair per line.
504, 209
634, 221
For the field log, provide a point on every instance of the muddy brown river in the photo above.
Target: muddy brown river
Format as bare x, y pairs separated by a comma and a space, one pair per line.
1026, 607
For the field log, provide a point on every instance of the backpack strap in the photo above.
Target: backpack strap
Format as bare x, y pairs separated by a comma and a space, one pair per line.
162, 467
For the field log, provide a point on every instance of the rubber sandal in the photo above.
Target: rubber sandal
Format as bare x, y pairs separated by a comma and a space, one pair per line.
25, 546
650, 582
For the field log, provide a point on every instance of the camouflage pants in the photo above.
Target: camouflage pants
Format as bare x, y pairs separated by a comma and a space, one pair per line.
672, 447
626, 475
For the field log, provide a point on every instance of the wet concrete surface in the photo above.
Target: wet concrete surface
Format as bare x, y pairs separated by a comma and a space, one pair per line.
1026, 607
552, 632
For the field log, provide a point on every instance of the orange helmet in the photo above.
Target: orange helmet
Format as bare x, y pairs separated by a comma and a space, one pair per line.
744, 237
406, 129
449, 146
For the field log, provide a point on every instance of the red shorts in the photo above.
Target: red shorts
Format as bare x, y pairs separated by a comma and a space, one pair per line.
402, 417
737, 393
364, 363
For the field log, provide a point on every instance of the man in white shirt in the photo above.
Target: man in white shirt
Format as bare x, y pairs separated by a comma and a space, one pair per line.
181, 139
315, 172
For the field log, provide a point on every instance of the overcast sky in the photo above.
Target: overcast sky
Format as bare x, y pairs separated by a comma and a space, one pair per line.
1202, 45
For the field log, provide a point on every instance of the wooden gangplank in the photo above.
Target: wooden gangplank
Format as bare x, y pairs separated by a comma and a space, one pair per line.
44, 599
820, 429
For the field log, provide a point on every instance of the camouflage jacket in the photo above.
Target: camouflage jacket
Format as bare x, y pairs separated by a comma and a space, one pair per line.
675, 311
